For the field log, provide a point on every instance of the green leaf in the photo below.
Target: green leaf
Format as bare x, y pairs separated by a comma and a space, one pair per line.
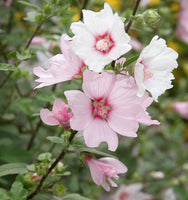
24, 104
31, 168
45, 157
7, 67
46, 98
25, 55
17, 191
77, 143
55, 139
67, 173
4, 194
31, 16
94, 151
30, 5
130, 60
13, 168
74, 197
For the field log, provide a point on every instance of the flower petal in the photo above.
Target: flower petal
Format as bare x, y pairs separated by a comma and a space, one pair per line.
123, 120
98, 86
48, 118
80, 105
118, 165
98, 131
58, 105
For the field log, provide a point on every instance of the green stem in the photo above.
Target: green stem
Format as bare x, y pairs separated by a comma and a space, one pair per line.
61, 156
128, 26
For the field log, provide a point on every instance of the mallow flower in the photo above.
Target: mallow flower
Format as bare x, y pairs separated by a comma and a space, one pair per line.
182, 109
58, 116
100, 38
131, 192
152, 71
63, 67
104, 169
109, 104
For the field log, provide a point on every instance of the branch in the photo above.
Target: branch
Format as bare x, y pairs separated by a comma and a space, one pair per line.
128, 26
26, 46
61, 155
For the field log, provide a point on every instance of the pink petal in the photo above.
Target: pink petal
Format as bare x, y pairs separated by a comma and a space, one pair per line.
65, 44
95, 170
98, 131
98, 86
48, 118
105, 186
181, 108
123, 120
59, 105
81, 108
118, 165
123, 91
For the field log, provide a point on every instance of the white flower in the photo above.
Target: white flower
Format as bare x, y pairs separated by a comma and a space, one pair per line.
100, 39
153, 68
131, 192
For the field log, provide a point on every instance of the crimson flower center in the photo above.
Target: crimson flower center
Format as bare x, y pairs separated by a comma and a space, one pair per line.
123, 196
100, 109
104, 43
147, 73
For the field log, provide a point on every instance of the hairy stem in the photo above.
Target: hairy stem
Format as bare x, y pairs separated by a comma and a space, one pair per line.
61, 155
128, 26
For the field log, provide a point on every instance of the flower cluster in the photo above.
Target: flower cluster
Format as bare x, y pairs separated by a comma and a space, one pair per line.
110, 103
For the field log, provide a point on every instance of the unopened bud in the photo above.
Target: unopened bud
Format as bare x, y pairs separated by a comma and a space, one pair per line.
47, 9
151, 16
138, 21
39, 18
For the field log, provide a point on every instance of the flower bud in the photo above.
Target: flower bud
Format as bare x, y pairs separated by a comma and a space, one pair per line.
138, 21
39, 18
151, 17
47, 9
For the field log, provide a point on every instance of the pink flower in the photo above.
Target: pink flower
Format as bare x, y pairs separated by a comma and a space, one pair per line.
8, 3
108, 105
144, 3
100, 39
104, 169
182, 28
136, 44
63, 66
58, 115
131, 192
37, 40
181, 108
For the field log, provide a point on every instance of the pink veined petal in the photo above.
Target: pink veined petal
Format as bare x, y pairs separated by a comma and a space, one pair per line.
81, 109
98, 131
123, 120
95, 170
58, 105
118, 165
98, 86
144, 118
48, 118
65, 44
105, 185
113, 184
